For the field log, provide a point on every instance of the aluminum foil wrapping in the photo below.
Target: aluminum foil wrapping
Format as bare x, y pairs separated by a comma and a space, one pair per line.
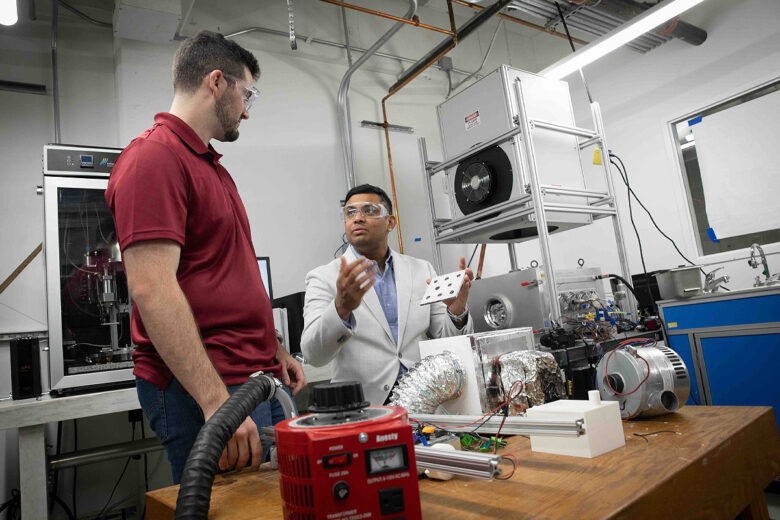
539, 373
434, 380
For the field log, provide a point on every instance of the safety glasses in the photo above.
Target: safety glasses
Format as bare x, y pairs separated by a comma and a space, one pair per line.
366, 209
250, 93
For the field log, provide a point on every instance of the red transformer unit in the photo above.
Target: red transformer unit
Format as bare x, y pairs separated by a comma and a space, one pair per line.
347, 461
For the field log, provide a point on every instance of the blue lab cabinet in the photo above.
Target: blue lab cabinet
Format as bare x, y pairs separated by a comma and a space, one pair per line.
730, 343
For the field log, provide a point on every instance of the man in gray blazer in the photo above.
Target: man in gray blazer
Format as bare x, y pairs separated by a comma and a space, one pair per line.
363, 309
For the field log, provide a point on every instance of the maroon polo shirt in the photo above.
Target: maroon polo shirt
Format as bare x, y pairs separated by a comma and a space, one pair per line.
168, 185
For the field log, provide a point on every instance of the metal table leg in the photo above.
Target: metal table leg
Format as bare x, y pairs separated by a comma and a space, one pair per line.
32, 472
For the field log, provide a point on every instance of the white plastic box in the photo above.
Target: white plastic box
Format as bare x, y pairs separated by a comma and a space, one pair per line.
602, 424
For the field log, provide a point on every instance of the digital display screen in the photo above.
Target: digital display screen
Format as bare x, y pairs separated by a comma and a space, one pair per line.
386, 459
87, 161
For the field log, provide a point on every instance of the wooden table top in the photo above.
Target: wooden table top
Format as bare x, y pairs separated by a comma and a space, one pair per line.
719, 461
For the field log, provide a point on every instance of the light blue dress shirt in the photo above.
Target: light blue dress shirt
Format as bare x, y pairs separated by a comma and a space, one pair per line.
385, 289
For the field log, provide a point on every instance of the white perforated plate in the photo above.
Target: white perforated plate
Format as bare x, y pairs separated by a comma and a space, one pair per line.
443, 287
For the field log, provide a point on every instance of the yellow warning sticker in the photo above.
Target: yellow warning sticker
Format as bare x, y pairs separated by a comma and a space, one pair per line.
672, 324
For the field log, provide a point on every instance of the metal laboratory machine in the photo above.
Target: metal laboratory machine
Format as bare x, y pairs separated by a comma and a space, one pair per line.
513, 170
86, 289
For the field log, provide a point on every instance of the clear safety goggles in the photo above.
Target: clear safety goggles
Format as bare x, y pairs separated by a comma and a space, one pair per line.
250, 93
366, 210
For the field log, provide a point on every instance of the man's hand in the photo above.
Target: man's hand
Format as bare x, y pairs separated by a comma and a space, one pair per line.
355, 279
292, 371
457, 305
151, 276
243, 445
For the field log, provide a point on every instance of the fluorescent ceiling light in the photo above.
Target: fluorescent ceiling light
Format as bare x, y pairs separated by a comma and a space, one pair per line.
8, 14
641, 24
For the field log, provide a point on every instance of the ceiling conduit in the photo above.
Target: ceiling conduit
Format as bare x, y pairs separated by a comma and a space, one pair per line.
345, 127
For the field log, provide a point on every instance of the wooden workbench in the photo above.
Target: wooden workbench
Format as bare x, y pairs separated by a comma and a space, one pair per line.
716, 466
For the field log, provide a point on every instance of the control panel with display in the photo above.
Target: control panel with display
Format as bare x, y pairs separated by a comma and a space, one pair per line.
81, 161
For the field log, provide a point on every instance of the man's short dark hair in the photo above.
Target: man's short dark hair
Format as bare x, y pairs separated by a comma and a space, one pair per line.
370, 188
208, 51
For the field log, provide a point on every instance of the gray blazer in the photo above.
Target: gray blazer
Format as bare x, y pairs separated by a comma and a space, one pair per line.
368, 353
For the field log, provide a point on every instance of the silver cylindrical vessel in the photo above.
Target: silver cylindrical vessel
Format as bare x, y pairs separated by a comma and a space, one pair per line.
645, 380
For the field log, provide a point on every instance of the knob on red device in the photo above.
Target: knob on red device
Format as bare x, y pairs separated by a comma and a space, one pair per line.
347, 461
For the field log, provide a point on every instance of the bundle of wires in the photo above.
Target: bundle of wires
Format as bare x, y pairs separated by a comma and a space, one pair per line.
503, 406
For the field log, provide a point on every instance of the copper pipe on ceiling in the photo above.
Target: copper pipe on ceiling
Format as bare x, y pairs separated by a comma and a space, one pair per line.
453, 28
415, 21
521, 22
387, 133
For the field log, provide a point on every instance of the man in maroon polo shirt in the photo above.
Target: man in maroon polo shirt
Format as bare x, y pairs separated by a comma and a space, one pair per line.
202, 320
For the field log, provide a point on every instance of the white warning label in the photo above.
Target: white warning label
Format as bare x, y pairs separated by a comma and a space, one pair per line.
472, 120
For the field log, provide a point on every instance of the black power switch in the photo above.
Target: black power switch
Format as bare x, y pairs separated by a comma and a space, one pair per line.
391, 500
341, 490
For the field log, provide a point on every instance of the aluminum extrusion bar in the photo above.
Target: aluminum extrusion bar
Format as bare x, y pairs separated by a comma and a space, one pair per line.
589, 142
512, 257
574, 192
504, 206
563, 129
595, 110
458, 158
455, 236
513, 425
536, 193
465, 463
601, 202
432, 223
575, 208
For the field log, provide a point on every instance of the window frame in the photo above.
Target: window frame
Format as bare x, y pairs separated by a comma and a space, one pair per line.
739, 253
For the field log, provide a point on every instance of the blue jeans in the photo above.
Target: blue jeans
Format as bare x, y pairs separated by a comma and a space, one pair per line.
176, 419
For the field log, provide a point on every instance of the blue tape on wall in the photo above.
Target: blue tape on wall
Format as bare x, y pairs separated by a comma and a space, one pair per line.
711, 234
694, 121
418, 239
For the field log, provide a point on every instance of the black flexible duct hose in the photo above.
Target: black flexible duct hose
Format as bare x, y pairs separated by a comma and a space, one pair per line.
202, 464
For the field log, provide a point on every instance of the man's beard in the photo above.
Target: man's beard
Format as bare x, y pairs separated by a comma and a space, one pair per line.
229, 125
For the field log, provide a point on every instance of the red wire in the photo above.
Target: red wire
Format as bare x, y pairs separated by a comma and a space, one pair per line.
515, 462
495, 445
649, 342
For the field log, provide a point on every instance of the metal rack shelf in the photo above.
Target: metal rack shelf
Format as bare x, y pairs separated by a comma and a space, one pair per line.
539, 201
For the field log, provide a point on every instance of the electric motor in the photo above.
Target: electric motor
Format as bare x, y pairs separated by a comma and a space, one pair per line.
645, 378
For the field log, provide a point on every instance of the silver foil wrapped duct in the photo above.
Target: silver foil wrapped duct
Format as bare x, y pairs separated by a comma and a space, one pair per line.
539, 373
432, 381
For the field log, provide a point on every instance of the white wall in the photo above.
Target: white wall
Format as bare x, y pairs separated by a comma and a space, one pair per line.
287, 163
